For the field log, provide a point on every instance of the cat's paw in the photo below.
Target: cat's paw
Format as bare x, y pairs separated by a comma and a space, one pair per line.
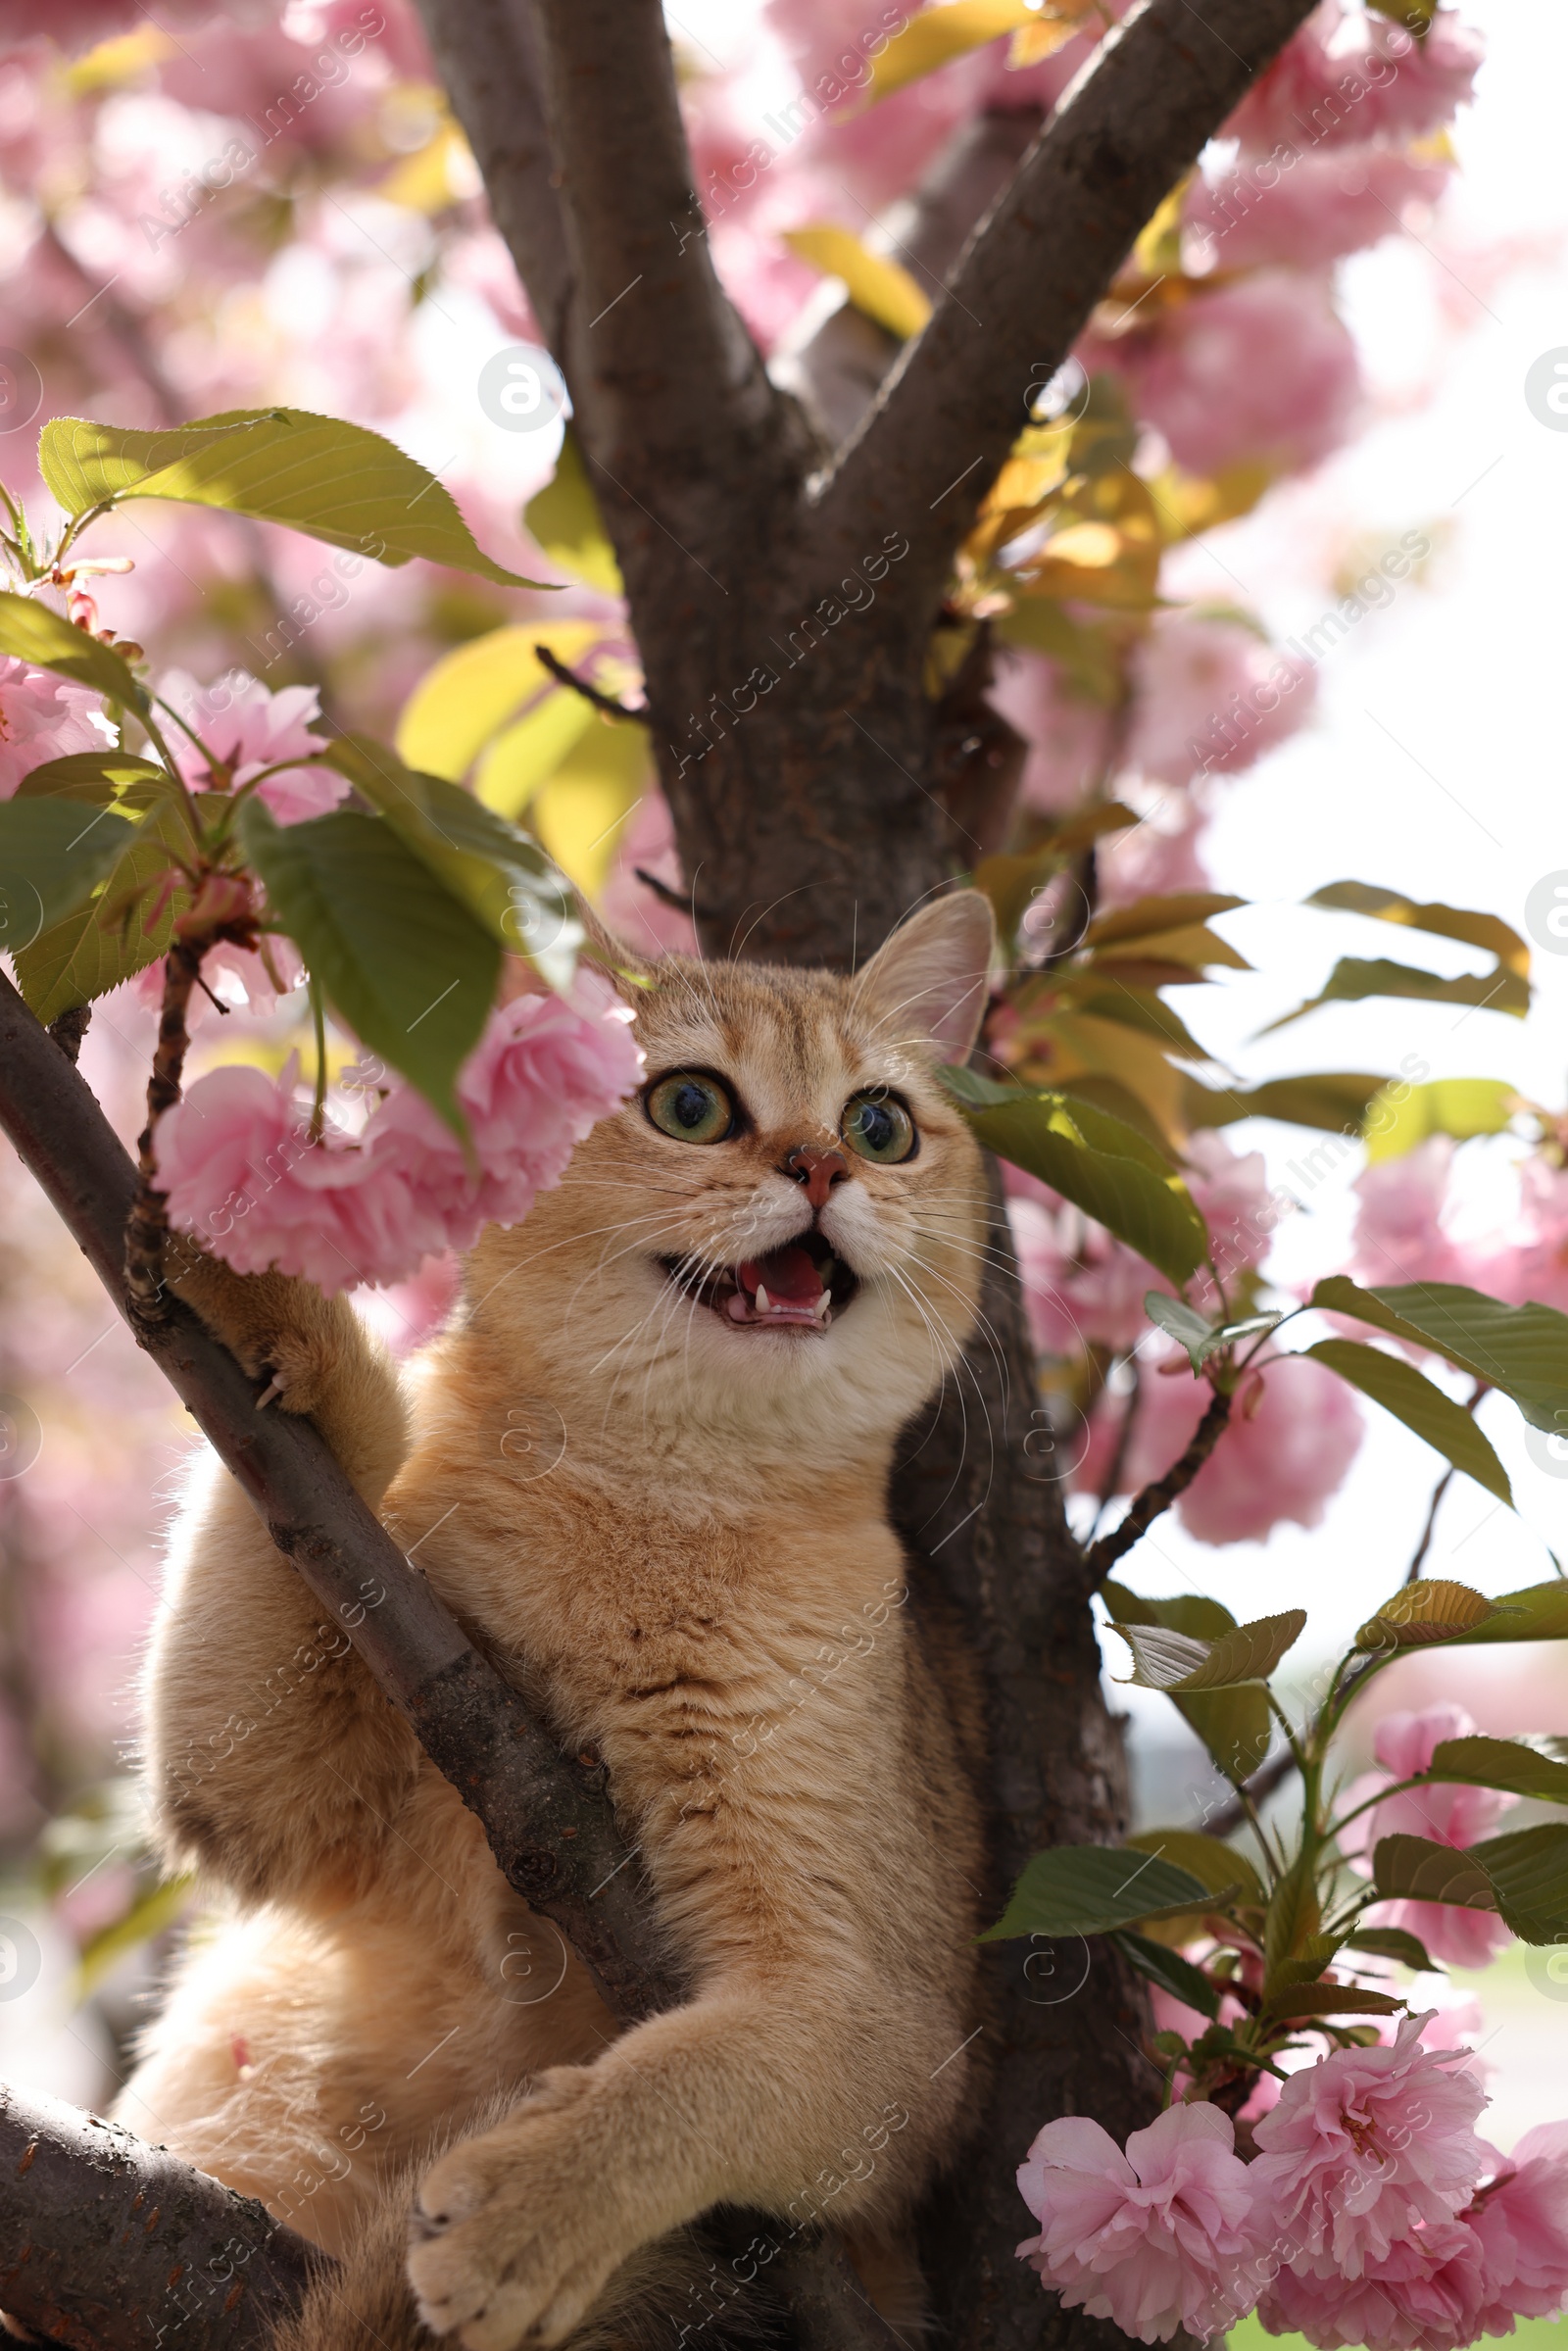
276, 1327
516, 2232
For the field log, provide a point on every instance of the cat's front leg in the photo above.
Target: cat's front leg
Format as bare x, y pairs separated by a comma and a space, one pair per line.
778, 2097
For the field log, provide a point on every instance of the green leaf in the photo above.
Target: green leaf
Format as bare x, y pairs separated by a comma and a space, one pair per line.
335, 481
1294, 1921
1234, 1725
1334, 1100
1217, 1865
1164, 1659
53, 855
1330, 2000
1538, 1613
1506, 1763
563, 519
498, 873
1090, 1890
1432, 1610
1400, 1116
1096, 992
1148, 916
1485, 931
1411, 1397
1394, 1942
405, 964
1091, 664
99, 778
471, 693
1529, 1869
1104, 1167
1417, 1869
1198, 1335
31, 632
1352, 981
107, 941
1521, 1349
1170, 1970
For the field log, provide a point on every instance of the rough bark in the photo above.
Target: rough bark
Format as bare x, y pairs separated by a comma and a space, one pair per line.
107, 2244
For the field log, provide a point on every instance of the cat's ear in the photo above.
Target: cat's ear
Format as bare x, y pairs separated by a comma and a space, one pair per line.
931, 978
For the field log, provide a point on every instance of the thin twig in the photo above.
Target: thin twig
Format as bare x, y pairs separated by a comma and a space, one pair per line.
147, 1226
1103, 1554
611, 705
682, 900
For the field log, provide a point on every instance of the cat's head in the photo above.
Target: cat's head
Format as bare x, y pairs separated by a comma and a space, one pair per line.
787, 1224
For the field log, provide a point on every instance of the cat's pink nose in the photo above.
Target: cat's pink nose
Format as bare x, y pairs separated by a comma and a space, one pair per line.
818, 1170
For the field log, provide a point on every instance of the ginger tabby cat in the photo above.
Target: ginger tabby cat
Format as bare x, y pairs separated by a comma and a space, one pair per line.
749, 1280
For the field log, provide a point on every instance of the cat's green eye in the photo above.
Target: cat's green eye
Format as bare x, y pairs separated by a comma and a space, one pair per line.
692, 1107
878, 1127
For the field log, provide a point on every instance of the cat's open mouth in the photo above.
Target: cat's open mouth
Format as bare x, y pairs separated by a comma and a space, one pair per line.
799, 1287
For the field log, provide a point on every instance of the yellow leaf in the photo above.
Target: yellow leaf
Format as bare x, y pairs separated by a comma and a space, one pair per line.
113, 64
563, 519
527, 753
936, 35
470, 695
1046, 33
581, 813
1158, 249
442, 172
1190, 503
882, 288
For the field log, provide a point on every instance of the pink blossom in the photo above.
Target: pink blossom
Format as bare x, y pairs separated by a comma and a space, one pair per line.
1261, 368
1211, 696
1539, 1267
1521, 2222
42, 718
1425, 2293
1399, 1233
1159, 853
1154, 2240
1068, 735
1351, 77
1449, 1815
1361, 2147
248, 729
1325, 205
241, 1170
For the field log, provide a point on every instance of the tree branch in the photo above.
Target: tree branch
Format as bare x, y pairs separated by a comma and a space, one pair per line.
835, 364
1104, 1555
110, 2243
1157, 89
545, 1815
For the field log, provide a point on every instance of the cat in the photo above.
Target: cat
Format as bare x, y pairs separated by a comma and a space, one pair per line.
647, 1467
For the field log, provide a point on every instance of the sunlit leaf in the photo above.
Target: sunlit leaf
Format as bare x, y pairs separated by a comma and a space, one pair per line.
1089, 1889
1172, 1661
1413, 1399
563, 518
875, 283
152, 1913
335, 481
580, 812
99, 778
407, 967
107, 941
31, 632
1085, 652
1521, 1349
1352, 981
1432, 1610
1400, 1116
471, 693
53, 855
1486, 931
934, 36
1538, 1613
1194, 949
1146, 916
1200, 1337
1103, 1167
1335, 1100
